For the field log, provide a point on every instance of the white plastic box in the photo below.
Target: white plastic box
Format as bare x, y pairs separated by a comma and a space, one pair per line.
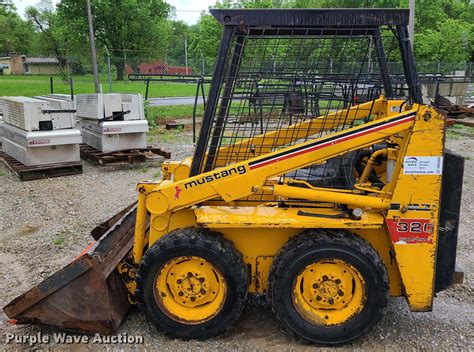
105, 106
40, 147
32, 114
110, 136
112, 122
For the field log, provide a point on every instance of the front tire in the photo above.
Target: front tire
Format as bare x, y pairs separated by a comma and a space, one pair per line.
328, 287
192, 284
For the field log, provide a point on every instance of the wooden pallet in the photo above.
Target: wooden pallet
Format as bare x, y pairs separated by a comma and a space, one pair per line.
128, 156
27, 173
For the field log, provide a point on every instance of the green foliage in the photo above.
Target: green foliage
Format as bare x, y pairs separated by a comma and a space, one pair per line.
133, 25
16, 35
179, 32
204, 39
48, 38
444, 29
452, 41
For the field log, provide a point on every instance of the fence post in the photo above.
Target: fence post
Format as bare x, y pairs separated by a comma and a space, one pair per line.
92, 43
51, 87
108, 69
186, 53
71, 87
147, 87
203, 63
125, 63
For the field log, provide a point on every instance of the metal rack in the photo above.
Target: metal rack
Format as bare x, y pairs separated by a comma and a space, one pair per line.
299, 73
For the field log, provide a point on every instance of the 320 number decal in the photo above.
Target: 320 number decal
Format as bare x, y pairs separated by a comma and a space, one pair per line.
414, 226
411, 231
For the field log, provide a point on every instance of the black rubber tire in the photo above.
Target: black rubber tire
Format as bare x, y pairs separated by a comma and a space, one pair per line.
215, 249
307, 248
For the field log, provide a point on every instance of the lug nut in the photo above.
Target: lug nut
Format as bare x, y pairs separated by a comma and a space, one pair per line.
201, 279
340, 293
338, 281
318, 298
180, 294
193, 299
179, 281
203, 291
190, 274
331, 301
315, 285
325, 277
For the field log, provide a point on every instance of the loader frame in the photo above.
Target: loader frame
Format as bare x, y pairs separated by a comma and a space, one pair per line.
244, 198
415, 130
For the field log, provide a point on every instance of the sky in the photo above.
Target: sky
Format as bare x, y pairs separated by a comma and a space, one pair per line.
186, 10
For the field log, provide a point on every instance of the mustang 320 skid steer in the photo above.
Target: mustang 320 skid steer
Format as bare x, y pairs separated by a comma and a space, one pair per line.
319, 179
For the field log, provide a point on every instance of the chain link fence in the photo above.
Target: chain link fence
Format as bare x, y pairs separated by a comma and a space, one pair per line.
171, 92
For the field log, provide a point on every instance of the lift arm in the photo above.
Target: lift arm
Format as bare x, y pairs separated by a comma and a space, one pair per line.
242, 179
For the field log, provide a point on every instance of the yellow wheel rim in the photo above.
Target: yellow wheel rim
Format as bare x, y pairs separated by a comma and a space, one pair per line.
190, 290
329, 292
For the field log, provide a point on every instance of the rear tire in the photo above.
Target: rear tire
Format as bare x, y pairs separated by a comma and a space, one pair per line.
328, 287
192, 284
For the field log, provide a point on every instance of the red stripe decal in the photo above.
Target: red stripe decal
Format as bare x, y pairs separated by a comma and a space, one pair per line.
333, 142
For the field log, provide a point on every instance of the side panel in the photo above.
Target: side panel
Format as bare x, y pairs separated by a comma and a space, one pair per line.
259, 246
412, 220
449, 220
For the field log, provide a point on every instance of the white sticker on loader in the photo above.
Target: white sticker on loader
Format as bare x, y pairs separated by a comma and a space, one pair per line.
423, 165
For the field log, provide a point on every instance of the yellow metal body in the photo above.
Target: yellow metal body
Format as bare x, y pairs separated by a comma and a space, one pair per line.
218, 200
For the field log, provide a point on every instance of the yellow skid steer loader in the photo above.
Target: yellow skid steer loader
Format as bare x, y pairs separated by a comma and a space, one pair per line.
319, 180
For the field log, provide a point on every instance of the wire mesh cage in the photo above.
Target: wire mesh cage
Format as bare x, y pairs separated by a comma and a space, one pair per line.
283, 85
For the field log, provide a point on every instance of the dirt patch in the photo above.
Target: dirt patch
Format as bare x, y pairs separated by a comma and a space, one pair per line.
44, 224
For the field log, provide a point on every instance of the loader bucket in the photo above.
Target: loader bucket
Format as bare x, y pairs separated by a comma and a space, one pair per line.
87, 295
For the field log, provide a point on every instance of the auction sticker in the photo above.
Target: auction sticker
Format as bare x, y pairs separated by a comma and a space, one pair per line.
423, 165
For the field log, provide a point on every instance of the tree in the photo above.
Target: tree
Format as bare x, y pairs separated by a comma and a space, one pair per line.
48, 38
204, 40
179, 32
16, 34
452, 41
132, 25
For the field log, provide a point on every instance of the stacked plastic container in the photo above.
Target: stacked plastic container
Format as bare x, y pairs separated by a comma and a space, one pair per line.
40, 130
112, 122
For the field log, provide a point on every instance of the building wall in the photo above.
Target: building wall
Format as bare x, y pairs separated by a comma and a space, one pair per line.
6, 71
16, 64
43, 69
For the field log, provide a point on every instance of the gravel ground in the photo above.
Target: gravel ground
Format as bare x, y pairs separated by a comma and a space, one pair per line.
44, 224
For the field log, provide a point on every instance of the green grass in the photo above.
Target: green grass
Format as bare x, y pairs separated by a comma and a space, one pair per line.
461, 128
158, 114
58, 241
169, 136
39, 85
2, 173
143, 169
